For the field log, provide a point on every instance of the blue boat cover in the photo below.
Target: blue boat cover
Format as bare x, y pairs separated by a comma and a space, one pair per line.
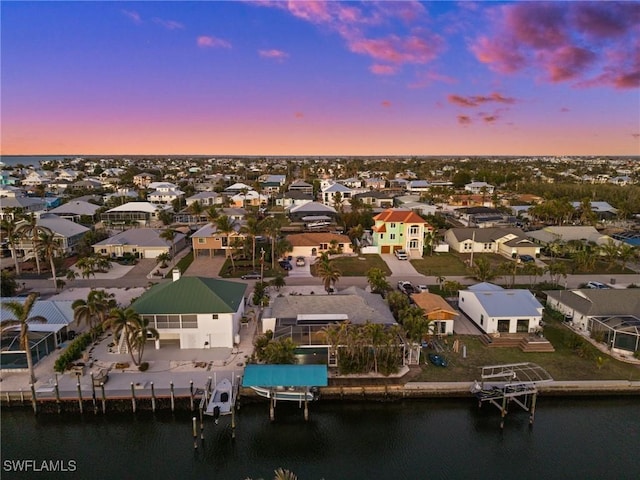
285, 376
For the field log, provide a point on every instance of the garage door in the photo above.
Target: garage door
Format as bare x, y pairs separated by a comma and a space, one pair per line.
153, 253
385, 249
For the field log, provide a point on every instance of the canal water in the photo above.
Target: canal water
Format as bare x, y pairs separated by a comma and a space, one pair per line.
572, 438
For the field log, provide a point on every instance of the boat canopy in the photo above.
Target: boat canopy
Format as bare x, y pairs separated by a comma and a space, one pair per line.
285, 376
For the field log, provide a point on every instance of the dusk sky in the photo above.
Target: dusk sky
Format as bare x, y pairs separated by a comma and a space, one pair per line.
320, 78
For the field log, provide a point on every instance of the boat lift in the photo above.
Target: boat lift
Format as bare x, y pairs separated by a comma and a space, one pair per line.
286, 383
219, 399
517, 382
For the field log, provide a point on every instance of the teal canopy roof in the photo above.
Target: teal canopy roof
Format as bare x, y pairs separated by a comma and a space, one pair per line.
285, 376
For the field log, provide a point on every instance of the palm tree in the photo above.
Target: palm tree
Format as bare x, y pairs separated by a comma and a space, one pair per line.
375, 334
271, 226
626, 253
94, 309
49, 247
482, 270
140, 332
196, 210
377, 281
170, 235
163, 258
22, 312
226, 226
120, 322
328, 272
9, 231
278, 281
252, 228
211, 213
31, 231
557, 270
610, 251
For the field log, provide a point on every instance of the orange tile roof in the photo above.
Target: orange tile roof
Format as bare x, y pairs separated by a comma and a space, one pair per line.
381, 229
399, 216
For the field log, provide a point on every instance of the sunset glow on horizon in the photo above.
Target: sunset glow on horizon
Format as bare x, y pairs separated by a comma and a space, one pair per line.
320, 78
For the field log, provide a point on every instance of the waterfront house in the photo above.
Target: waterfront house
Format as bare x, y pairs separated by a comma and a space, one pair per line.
139, 242
437, 310
301, 186
397, 228
206, 199
612, 314
329, 194
77, 211
565, 234
311, 210
13, 201
67, 235
497, 310
479, 188
164, 192
194, 312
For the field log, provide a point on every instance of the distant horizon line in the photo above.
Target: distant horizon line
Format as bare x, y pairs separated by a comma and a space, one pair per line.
307, 155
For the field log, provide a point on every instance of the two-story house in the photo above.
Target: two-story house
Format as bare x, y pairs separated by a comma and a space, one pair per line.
400, 229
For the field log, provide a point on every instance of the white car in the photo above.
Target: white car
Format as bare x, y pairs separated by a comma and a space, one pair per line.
401, 255
596, 285
300, 262
422, 288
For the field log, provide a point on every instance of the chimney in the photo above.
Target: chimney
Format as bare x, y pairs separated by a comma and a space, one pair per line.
176, 274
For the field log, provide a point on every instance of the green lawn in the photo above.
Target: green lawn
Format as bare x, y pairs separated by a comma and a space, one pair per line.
245, 266
563, 364
358, 266
440, 264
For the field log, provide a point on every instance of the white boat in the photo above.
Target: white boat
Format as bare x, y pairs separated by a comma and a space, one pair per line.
290, 394
222, 399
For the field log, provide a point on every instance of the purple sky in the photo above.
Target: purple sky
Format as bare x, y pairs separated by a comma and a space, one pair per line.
320, 78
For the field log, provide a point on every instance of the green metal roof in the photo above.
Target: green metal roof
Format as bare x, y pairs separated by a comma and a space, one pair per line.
285, 376
191, 295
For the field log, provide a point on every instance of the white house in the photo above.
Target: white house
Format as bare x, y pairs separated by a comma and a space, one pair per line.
479, 187
197, 312
497, 310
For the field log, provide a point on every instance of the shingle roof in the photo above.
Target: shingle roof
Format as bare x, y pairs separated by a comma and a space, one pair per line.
61, 226
431, 302
192, 295
600, 302
76, 207
315, 238
146, 237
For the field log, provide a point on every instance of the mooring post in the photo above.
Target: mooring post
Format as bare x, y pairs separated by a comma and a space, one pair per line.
173, 398
93, 396
504, 411
201, 426
272, 409
533, 408
33, 399
153, 398
21, 396
104, 398
195, 433
57, 390
306, 409
191, 394
133, 398
79, 396
233, 422
8, 399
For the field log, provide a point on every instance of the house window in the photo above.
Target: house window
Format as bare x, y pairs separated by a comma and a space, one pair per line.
522, 326
414, 230
413, 244
103, 250
324, 246
214, 316
503, 326
381, 236
481, 317
392, 236
189, 321
202, 240
393, 225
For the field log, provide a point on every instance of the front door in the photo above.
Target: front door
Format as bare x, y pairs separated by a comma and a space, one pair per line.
503, 326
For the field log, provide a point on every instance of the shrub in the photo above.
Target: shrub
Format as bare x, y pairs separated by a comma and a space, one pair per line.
72, 353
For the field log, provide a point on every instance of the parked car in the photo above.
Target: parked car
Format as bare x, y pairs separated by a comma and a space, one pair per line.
406, 287
401, 255
527, 258
421, 288
286, 264
300, 262
251, 276
596, 285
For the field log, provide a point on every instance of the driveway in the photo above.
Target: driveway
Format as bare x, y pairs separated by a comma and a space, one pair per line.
399, 268
301, 272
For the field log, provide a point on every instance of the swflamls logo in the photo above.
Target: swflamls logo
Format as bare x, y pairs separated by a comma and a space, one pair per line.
30, 465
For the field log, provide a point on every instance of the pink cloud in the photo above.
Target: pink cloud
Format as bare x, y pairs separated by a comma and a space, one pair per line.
394, 49
464, 120
274, 54
311, 10
477, 100
206, 41
168, 24
385, 103
489, 118
132, 15
379, 69
564, 110
587, 43
424, 79
298, 115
